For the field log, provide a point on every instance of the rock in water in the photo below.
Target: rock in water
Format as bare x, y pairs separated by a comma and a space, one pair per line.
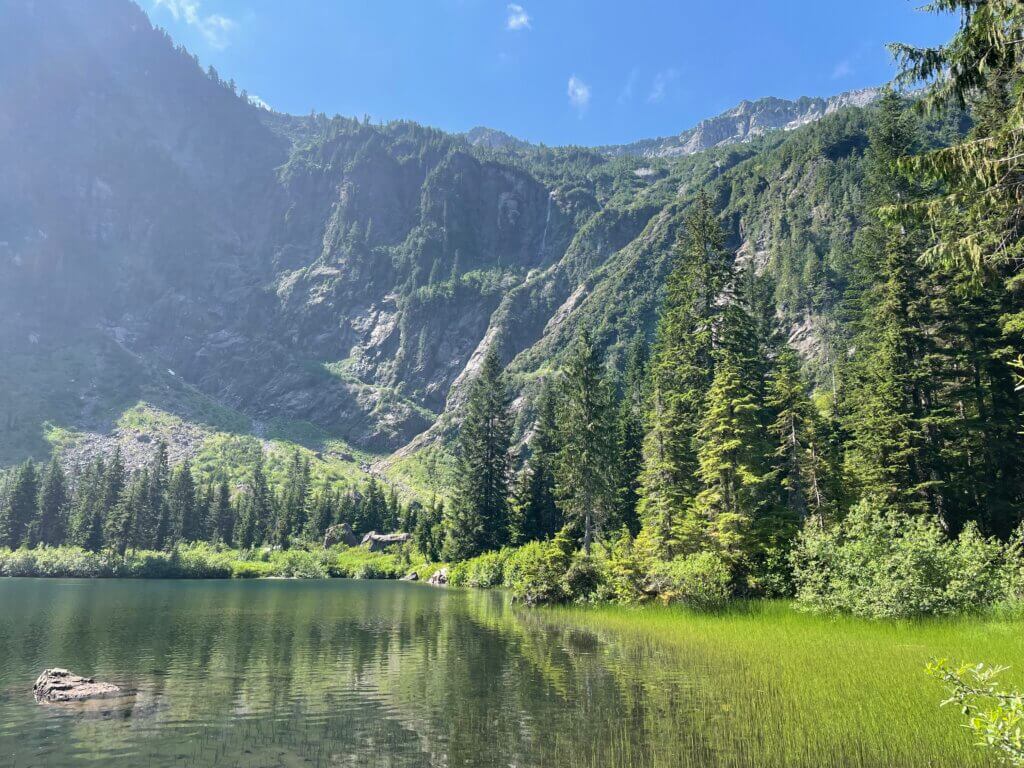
440, 578
57, 685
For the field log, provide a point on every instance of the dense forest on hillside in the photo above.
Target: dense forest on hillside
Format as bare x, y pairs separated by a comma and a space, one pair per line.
722, 374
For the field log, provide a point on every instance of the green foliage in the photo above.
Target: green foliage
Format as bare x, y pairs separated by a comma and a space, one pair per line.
479, 514
701, 580
994, 715
484, 571
892, 565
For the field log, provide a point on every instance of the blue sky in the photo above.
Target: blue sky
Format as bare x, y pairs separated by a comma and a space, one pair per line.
558, 71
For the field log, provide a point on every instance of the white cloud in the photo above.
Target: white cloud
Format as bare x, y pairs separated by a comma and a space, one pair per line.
663, 82
518, 18
579, 94
214, 27
843, 69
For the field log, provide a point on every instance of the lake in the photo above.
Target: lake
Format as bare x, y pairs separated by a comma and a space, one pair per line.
363, 673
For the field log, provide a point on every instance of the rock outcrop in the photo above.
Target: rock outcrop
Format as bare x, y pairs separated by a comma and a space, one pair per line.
439, 578
60, 685
340, 534
411, 576
376, 542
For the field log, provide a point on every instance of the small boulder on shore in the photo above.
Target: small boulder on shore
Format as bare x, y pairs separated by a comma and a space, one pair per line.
411, 576
59, 685
440, 577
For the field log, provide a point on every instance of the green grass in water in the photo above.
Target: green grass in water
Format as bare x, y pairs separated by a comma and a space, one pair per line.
770, 686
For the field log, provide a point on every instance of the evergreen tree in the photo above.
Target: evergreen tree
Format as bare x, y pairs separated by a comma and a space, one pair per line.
183, 509
154, 525
429, 533
223, 515
51, 529
86, 508
585, 472
294, 500
681, 372
23, 504
121, 521
630, 435
801, 454
536, 511
479, 515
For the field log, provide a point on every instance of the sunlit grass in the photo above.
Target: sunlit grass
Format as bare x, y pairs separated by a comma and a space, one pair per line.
797, 689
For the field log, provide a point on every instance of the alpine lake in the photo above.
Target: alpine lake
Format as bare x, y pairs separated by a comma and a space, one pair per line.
362, 673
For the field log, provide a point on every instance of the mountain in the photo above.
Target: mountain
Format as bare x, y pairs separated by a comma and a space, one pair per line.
745, 121
174, 259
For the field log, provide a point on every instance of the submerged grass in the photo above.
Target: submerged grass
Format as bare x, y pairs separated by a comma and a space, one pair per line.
781, 687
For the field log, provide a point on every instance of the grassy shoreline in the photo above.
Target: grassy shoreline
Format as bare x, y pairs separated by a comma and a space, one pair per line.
799, 684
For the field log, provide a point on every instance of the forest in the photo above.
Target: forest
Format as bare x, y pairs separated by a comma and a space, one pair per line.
712, 460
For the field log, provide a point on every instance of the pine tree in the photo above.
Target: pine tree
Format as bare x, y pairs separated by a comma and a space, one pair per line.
223, 515
154, 526
87, 507
183, 509
536, 512
630, 435
23, 504
51, 529
801, 454
479, 515
680, 374
121, 521
585, 471
295, 500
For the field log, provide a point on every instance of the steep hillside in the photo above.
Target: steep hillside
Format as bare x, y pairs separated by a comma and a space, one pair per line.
334, 283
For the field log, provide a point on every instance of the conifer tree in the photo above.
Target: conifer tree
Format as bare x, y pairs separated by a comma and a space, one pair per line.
536, 511
51, 528
86, 510
23, 504
223, 515
120, 523
183, 509
479, 515
630, 435
680, 374
154, 525
801, 454
585, 472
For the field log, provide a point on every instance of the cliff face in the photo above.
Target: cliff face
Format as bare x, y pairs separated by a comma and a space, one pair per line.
745, 121
324, 272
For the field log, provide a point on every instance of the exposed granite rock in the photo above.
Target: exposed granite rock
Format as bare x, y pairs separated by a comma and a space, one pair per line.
61, 685
340, 534
376, 542
411, 576
440, 578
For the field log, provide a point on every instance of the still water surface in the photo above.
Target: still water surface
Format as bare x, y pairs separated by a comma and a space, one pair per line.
361, 673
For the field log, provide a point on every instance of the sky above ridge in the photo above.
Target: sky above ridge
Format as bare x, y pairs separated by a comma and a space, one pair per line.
558, 71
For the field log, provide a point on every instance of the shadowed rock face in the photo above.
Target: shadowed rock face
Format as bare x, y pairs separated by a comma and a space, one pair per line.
376, 542
59, 685
340, 534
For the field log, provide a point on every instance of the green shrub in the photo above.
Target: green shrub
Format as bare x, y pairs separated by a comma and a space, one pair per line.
585, 578
298, 564
893, 565
484, 571
251, 569
995, 716
535, 573
701, 580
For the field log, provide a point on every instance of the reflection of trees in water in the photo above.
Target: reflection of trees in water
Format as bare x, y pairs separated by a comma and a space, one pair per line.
359, 673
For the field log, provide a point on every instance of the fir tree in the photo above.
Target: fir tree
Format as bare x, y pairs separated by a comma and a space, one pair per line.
183, 509
51, 528
681, 372
630, 435
585, 472
536, 511
479, 515
223, 515
23, 504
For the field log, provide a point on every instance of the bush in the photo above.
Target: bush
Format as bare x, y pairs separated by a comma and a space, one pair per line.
535, 573
251, 569
893, 565
298, 564
484, 571
701, 580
